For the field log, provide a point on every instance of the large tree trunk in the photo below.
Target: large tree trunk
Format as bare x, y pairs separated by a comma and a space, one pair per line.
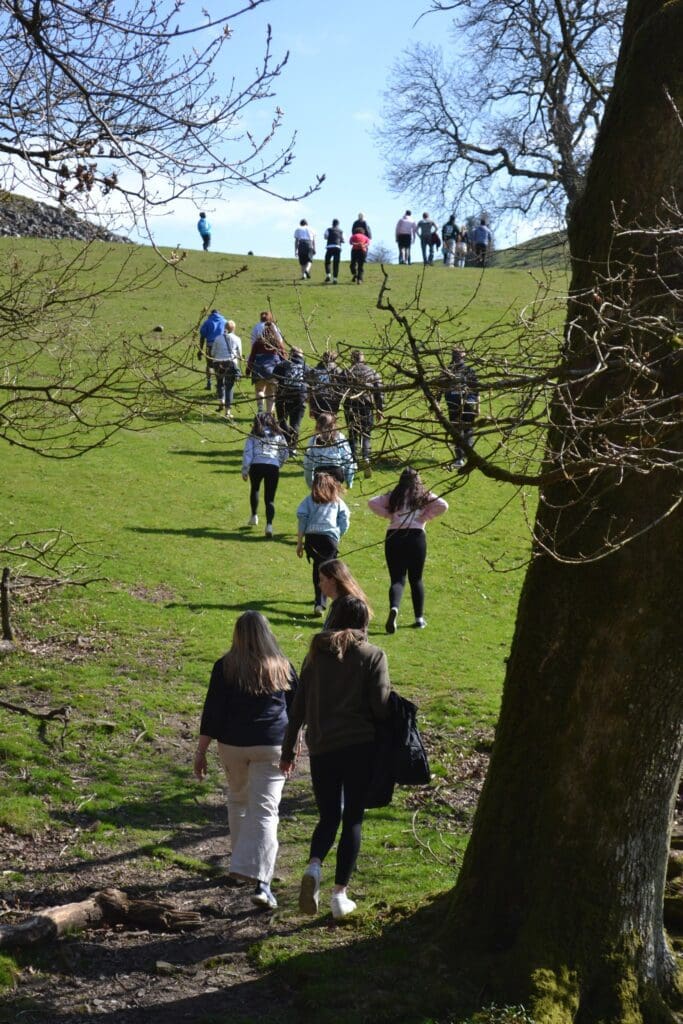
559, 901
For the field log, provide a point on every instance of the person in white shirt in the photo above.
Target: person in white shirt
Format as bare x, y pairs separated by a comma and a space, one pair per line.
304, 247
406, 229
226, 357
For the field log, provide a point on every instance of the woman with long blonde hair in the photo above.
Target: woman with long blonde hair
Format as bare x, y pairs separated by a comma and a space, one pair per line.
336, 580
246, 711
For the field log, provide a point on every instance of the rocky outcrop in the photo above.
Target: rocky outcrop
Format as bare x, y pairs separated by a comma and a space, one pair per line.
25, 218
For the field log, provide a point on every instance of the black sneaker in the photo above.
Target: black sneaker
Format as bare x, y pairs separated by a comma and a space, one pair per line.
390, 626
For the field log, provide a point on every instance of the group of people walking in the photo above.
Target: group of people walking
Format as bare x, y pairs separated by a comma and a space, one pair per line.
257, 704
455, 241
360, 237
256, 707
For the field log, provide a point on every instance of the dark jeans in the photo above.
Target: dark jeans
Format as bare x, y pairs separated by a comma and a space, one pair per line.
289, 413
319, 547
462, 416
427, 251
360, 418
357, 263
226, 375
406, 553
341, 779
332, 258
259, 471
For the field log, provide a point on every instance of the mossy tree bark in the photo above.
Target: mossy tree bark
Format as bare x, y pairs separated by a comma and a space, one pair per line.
559, 901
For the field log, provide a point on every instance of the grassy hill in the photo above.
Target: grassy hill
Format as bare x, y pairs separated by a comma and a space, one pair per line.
162, 511
547, 251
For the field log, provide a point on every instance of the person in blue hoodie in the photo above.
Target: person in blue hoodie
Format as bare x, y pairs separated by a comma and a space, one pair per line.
204, 229
323, 519
212, 328
265, 450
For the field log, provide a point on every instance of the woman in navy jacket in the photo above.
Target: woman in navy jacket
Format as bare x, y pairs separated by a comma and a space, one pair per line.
246, 710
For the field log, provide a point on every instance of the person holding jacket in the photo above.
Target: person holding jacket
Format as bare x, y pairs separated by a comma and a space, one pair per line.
323, 519
344, 690
329, 450
409, 507
265, 450
246, 711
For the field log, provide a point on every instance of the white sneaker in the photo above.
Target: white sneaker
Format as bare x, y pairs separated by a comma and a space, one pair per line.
341, 905
319, 610
253, 520
269, 531
263, 897
420, 623
309, 893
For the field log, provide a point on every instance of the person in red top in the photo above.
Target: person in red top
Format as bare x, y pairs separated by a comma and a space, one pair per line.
360, 244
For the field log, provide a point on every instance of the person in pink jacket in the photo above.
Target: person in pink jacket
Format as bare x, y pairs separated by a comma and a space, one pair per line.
408, 508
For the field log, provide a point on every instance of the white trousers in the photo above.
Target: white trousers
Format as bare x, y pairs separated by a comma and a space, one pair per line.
254, 789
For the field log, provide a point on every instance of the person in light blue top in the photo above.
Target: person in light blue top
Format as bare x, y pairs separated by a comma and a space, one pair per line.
482, 238
329, 451
265, 450
323, 518
204, 229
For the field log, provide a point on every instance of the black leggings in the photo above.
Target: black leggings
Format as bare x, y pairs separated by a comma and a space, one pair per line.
319, 547
406, 552
341, 779
259, 471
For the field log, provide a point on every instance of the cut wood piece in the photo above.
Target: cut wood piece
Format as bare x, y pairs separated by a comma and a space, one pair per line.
112, 906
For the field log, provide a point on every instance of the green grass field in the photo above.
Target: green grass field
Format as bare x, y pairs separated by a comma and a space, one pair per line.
163, 510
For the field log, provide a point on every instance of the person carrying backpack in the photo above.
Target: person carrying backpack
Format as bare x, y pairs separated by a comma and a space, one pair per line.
325, 386
290, 400
449, 232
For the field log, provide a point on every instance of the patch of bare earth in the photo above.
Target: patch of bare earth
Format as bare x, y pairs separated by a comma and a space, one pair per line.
113, 974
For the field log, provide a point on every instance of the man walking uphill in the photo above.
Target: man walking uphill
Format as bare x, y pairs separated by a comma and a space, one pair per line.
212, 328
363, 402
482, 238
204, 229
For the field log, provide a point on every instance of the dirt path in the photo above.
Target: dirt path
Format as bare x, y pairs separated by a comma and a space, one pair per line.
135, 977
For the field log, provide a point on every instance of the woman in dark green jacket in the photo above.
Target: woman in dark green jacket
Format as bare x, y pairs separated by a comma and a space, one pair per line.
343, 690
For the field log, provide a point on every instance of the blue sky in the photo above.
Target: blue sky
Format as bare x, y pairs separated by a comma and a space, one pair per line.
331, 92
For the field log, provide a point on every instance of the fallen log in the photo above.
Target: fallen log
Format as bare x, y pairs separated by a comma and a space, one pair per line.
109, 906
62, 714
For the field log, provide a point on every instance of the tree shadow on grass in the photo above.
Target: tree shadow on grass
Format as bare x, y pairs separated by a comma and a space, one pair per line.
243, 533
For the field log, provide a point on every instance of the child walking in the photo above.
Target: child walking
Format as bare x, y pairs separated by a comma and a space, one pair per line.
323, 519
